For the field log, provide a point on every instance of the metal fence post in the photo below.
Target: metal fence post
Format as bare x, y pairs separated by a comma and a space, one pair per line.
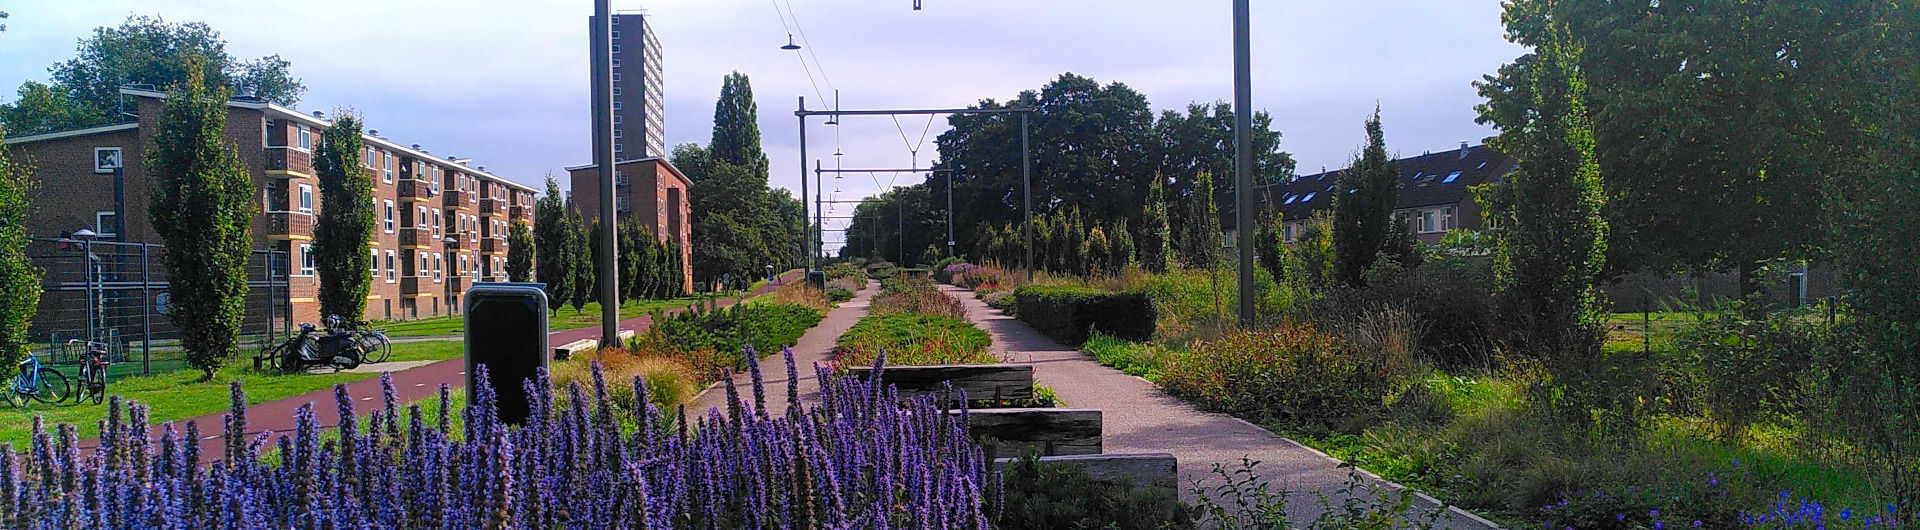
146, 311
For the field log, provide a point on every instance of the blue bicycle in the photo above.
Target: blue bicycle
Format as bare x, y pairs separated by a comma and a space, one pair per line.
37, 382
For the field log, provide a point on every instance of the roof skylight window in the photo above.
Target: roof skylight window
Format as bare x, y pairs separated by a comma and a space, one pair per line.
1451, 177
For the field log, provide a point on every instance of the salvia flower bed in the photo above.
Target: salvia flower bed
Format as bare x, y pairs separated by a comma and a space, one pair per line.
860, 459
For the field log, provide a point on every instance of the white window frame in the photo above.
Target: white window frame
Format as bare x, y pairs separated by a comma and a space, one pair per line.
423, 221
616, 77
391, 276
616, 92
373, 156
376, 262
386, 174
616, 47
100, 227
119, 159
616, 62
616, 134
305, 138
618, 148
616, 105
616, 36
617, 119
307, 264
306, 198
390, 214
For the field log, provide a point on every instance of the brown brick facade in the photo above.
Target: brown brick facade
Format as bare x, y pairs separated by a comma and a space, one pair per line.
417, 272
650, 191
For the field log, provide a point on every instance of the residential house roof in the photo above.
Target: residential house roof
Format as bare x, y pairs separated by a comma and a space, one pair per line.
1431, 179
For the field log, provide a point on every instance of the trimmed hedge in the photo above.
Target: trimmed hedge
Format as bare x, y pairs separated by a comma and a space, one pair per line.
1067, 313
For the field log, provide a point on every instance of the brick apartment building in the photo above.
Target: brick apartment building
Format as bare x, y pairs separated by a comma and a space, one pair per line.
440, 224
1434, 194
649, 191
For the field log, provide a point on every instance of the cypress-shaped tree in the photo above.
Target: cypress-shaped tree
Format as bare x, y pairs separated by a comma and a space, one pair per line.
520, 251
580, 248
1202, 248
346, 221
1553, 238
676, 270
1313, 250
19, 279
1363, 201
553, 242
202, 206
1119, 247
1094, 249
1155, 236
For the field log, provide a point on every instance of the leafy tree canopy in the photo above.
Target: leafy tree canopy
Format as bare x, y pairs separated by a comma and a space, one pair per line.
142, 51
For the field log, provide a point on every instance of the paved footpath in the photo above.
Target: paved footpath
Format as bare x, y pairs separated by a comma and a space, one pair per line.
1140, 418
410, 384
811, 348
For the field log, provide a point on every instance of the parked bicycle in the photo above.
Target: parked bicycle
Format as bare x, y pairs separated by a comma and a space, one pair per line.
341, 345
37, 382
92, 383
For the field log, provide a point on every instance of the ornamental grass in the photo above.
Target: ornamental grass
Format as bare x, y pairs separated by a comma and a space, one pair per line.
861, 458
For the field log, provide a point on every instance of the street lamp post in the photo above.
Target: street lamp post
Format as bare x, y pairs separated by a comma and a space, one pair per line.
86, 236
1243, 157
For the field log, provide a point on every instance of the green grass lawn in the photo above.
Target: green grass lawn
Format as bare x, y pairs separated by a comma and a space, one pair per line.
179, 394
565, 318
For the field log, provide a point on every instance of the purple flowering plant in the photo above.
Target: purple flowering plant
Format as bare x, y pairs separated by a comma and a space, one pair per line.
1712, 501
861, 458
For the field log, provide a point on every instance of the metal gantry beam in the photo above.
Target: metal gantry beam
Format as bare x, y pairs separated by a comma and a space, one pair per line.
1026, 172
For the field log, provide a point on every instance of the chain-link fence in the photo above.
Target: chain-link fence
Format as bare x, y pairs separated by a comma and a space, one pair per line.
117, 293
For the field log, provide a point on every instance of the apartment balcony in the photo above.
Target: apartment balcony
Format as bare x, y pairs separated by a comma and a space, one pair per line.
457, 199
417, 285
458, 240
456, 284
492, 206
289, 225
492, 245
416, 238
293, 162
414, 189
522, 212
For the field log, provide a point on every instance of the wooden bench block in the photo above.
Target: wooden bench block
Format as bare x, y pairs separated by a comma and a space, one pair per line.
566, 351
1154, 470
1046, 432
982, 382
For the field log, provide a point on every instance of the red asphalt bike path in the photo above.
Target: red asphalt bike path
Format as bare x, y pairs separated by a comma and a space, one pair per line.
413, 384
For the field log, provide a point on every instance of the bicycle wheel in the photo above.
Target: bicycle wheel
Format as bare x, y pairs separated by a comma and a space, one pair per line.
53, 386
383, 351
96, 385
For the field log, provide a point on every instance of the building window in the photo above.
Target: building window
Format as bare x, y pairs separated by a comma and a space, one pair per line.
306, 198
390, 266
386, 173
106, 224
616, 92
389, 224
106, 159
375, 262
616, 21
372, 156
421, 213
436, 223
619, 148
1429, 221
462, 271
616, 77
617, 134
306, 260
306, 138
616, 119
616, 62
616, 105
616, 36
616, 47
1287, 233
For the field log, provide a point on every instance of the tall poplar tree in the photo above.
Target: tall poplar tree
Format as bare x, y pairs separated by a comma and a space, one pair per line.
1155, 235
19, 279
520, 251
736, 127
202, 206
1553, 241
552, 243
579, 250
1363, 203
346, 221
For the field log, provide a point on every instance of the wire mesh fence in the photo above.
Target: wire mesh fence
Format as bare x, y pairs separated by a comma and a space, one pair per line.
117, 294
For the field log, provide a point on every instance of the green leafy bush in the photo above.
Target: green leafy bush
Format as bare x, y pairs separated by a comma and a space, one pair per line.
1135, 358
1068, 313
839, 294
1292, 375
846, 271
1753, 367
715, 339
915, 296
1045, 495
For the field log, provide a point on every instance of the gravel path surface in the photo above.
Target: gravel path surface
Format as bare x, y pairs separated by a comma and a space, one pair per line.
1140, 418
811, 348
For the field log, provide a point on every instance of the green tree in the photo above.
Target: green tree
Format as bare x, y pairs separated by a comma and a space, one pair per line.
1271, 247
1095, 250
1313, 249
520, 251
1155, 234
346, 221
1119, 247
19, 279
580, 250
553, 244
39, 108
1201, 139
736, 126
149, 51
1363, 210
1553, 240
1201, 236
202, 205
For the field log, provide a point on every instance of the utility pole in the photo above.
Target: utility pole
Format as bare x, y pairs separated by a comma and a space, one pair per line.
949, 212
1243, 157
808, 245
603, 161
1026, 190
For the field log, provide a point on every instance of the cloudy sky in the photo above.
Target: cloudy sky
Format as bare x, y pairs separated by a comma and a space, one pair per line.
504, 81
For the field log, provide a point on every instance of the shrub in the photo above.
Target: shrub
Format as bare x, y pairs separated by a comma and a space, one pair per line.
1451, 298
948, 273
712, 340
839, 271
386, 473
1293, 375
1068, 313
919, 302
913, 339
1135, 358
800, 294
1045, 495
1753, 367
670, 380
1001, 300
